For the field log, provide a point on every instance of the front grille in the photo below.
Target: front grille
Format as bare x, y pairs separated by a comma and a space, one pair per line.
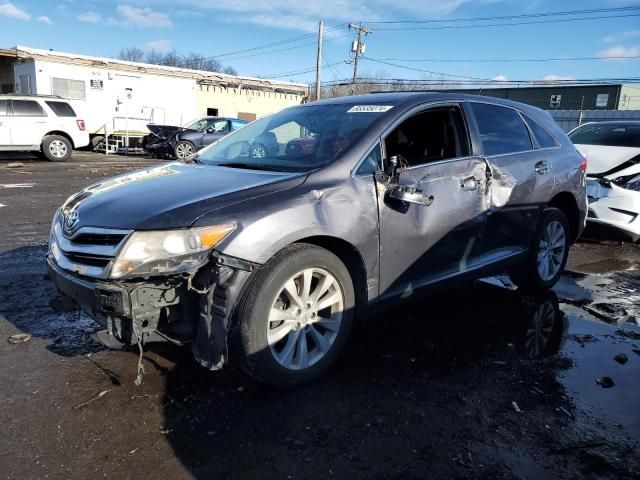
98, 239
89, 251
92, 260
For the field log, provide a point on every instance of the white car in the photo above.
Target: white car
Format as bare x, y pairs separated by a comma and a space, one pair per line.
612, 150
37, 123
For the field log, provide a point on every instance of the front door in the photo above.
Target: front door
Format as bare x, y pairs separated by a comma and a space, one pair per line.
441, 236
214, 132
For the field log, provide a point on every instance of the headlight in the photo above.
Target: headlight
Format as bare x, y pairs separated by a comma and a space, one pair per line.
54, 233
167, 251
633, 183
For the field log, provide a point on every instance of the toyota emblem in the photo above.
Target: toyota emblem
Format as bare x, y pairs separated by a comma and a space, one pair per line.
71, 220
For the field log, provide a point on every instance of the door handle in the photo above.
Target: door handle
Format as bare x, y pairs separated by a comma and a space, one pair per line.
469, 184
542, 168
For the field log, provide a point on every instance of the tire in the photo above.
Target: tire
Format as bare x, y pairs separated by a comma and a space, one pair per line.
184, 149
544, 272
272, 350
258, 151
56, 148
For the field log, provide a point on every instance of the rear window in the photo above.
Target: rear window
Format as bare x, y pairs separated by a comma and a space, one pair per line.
544, 138
61, 109
27, 108
501, 130
610, 134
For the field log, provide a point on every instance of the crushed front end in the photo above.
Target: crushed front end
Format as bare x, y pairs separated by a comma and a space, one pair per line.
186, 298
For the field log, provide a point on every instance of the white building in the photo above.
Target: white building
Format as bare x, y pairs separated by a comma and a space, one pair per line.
115, 95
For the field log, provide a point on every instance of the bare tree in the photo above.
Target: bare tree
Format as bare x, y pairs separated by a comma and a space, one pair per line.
131, 54
193, 61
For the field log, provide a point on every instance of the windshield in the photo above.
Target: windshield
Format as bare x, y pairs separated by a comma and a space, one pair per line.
612, 135
200, 124
297, 139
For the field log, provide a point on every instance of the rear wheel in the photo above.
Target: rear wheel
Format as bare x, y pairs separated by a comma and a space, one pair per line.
296, 316
548, 253
56, 148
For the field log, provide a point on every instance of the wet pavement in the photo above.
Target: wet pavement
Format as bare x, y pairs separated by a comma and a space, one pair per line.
481, 382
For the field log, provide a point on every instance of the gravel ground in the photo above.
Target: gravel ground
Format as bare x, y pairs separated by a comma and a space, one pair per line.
454, 385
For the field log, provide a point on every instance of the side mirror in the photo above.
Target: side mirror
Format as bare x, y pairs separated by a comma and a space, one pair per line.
210, 130
410, 195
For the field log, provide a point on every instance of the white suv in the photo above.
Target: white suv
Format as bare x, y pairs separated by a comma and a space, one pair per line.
46, 124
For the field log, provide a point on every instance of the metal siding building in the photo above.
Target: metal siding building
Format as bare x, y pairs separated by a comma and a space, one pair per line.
564, 97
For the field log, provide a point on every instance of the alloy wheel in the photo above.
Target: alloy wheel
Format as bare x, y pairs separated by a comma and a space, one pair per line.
258, 152
183, 150
305, 318
58, 149
551, 250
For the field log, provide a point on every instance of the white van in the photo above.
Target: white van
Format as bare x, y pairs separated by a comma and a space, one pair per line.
45, 124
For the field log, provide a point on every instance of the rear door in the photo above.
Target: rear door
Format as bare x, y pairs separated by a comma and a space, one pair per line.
421, 243
5, 125
522, 176
29, 123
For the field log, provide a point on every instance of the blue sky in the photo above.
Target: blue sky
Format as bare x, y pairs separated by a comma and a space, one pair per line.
214, 27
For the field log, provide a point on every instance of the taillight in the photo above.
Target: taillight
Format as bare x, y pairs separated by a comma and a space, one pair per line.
80, 124
583, 163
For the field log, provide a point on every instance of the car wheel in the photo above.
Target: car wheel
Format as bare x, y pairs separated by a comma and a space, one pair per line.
296, 316
258, 151
184, 149
548, 253
56, 148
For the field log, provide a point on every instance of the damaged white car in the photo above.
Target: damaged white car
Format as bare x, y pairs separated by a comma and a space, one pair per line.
612, 150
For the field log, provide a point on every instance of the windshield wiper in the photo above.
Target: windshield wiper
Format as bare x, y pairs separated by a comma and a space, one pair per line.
250, 166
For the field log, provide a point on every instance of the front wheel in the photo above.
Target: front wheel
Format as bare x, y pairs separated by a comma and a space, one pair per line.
258, 151
296, 316
184, 149
548, 253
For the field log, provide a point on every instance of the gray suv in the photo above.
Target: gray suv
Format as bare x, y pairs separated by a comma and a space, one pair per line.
267, 261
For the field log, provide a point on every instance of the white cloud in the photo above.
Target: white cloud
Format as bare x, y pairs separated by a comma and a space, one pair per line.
500, 78
159, 45
89, 17
555, 78
140, 17
620, 36
294, 14
11, 11
620, 52
45, 19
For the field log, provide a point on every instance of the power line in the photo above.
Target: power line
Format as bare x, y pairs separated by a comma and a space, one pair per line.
508, 60
449, 82
511, 24
513, 17
294, 73
423, 71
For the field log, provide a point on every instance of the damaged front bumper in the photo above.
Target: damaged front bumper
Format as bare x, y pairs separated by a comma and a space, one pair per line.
614, 211
182, 308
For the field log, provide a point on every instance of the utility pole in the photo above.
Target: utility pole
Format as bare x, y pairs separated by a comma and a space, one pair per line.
358, 48
319, 60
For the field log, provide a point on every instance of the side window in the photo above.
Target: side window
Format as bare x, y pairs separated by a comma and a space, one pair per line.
27, 108
371, 163
61, 109
4, 104
220, 126
501, 129
544, 138
236, 124
429, 136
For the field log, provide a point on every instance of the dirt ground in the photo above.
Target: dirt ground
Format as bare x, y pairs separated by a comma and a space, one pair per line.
481, 382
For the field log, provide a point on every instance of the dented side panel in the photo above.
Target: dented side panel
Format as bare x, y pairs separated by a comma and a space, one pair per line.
420, 243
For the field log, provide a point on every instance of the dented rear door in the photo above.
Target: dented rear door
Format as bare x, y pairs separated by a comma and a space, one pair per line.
420, 244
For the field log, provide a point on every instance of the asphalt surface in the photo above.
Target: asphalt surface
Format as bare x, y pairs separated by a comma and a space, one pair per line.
480, 382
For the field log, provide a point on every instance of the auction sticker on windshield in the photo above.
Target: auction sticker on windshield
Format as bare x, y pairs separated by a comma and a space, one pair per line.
369, 108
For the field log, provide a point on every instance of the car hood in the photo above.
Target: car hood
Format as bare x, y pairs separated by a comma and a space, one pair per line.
171, 195
166, 131
604, 160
